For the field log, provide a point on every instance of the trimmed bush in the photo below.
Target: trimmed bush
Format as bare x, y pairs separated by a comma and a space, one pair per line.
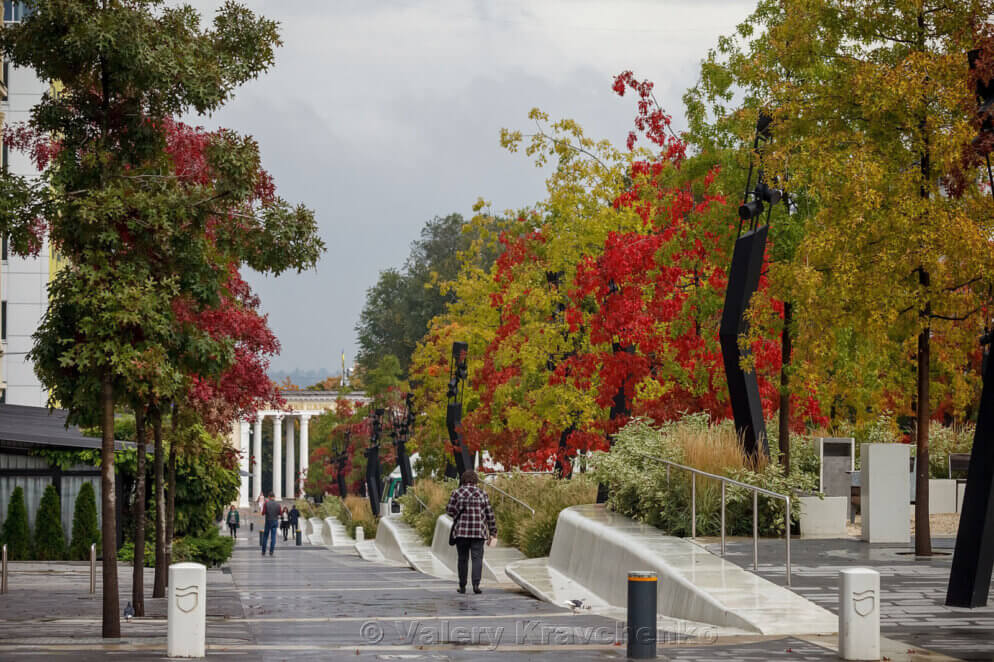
127, 553
50, 540
84, 524
211, 549
16, 533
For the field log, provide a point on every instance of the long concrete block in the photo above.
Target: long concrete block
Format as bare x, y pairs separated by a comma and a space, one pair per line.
315, 535
594, 549
336, 535
942, 496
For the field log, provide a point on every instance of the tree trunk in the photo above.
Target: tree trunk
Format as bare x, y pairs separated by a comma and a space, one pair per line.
785, 353
171, 496
108, 506
138, 576
159, 583
923, 534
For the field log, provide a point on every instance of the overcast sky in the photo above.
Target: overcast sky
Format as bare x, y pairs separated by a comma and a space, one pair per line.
381, 114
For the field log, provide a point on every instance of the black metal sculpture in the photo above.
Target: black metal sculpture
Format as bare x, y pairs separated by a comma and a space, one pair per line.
373, 480
401, 432
743, 280
458, 372
973, 558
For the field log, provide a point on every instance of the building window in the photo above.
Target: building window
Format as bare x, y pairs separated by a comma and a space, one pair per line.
3, 248
3, 320
14, 11
3, 156
6, 79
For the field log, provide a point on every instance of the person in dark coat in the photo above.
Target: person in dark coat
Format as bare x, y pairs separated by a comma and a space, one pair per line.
474, 525
271, 511
294, 520
232, 521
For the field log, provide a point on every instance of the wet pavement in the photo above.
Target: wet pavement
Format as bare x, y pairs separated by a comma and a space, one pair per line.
317, 604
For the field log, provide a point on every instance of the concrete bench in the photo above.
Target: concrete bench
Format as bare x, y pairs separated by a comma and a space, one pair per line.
594, 549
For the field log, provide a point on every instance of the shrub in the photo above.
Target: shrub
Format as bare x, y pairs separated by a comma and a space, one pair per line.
127, 553
84, 524
421, 516
50, 540
640, 487
16, 533
362, 515
548, 496
943, 440
306, 508
211, 549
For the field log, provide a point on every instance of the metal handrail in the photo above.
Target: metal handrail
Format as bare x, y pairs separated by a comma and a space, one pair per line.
346, 509
424, 506
756, 491
510, 496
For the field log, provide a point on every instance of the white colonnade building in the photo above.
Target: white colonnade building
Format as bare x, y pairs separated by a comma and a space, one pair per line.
290, 443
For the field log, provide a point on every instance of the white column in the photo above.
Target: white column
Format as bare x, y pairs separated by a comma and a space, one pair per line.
277, 456
243, 464
257, 457
304, 455
289, 457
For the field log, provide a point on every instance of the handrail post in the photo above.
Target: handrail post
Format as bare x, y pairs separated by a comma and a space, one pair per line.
93, 567
755, 531
786, 533
3, 579
722, 518
693, 504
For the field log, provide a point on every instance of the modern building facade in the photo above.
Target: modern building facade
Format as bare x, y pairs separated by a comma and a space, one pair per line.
23, 281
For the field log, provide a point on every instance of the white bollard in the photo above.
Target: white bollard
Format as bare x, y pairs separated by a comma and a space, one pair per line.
360, 534
859, 614
187, 610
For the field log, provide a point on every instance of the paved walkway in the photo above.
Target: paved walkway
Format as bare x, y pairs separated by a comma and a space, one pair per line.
313, 603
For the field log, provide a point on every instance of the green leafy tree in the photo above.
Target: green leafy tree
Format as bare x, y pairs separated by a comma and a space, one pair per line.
136, 234
50, 540
402, 303
16, 533
84, 524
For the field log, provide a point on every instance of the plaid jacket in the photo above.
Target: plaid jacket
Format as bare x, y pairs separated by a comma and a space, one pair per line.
476, 518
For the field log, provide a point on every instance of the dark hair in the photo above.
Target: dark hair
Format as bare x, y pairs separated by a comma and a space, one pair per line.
271, 495
469, 477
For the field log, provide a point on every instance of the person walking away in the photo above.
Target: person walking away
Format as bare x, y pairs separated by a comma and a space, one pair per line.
294, 520
473, 525
271, 511
233, 520
284, 523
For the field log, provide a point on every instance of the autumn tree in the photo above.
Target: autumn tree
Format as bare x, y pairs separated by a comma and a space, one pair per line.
135, 236
870, 132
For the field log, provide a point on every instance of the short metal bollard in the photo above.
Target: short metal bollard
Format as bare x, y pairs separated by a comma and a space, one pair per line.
251, 527
360, 534
300, 537
186, 613
641, 627
3, 571
859, 614
93, 567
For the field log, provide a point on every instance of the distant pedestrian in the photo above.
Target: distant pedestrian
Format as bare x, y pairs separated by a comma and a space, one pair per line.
473, 525
233, 520
294, 519
271, 511
284, 522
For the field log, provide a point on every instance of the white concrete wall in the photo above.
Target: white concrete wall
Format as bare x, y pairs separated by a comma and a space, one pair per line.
23, 281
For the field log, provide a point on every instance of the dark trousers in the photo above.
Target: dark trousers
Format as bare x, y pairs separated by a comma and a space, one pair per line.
270, 533
232, 529
466, 547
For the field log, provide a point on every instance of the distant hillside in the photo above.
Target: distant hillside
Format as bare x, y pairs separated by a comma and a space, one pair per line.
304, 378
